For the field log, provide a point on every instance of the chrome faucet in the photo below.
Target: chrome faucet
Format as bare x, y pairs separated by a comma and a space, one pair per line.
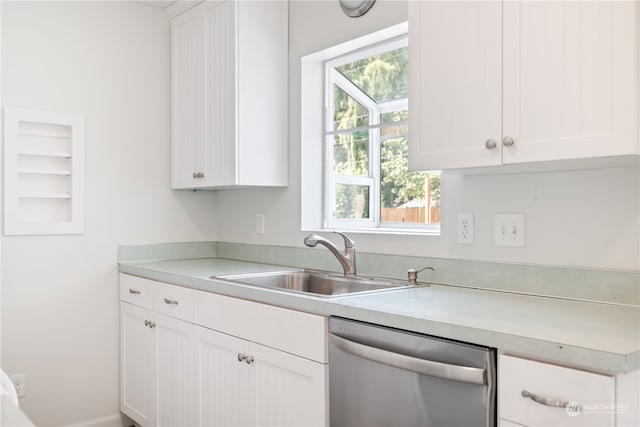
347, 259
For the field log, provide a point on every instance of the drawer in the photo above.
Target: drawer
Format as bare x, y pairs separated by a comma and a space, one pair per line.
136, 290
595, 394
294, 332
174, 301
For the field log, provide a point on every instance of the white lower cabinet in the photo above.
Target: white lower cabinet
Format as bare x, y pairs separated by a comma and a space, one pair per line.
137, 365
533, 394
174, 372
251, 371
156, 368
241, 383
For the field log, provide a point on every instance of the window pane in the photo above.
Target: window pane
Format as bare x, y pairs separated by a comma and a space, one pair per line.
352, 201
348, 113
382, 77
394, 116
351, 153
400, 130
406, 197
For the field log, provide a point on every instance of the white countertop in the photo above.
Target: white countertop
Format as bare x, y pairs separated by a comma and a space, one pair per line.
601, 337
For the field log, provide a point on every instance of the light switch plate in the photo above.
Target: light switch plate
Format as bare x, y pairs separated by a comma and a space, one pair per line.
509, 230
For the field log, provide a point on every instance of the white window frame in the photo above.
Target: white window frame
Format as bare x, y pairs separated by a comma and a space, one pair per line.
312, 143
372, 180
331, 180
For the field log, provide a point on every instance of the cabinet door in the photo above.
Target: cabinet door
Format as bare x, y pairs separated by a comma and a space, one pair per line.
570, 79
223, 396
262, 93
455, 83
137, 365
188, 99
175, 372
220, 89
290, 390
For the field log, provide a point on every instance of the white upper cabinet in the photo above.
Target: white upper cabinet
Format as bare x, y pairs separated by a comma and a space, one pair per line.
229, 88
514, 82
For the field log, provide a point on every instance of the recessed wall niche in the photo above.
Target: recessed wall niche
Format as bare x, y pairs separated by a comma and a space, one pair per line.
43, 172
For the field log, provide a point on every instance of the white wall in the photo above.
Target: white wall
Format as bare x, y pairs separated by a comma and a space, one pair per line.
110, 62
581, 218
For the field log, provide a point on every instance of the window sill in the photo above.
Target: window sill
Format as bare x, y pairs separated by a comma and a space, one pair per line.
380, 231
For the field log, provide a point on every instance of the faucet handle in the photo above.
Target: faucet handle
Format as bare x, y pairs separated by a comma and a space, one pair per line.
348, 243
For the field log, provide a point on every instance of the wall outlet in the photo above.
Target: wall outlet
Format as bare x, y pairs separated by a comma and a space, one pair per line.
20, 383
509, 230
260, 223
465, 229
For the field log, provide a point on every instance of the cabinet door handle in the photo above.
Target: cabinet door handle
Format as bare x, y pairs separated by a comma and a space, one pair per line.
508, 141
170, 301
241, 357
546, 401
152, 324
134, 291
490, 144
249, 359
146, 323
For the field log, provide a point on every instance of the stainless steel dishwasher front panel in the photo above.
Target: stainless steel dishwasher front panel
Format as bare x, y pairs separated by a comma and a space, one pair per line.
385, 377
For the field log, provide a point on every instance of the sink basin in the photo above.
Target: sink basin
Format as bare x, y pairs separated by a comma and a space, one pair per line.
315, 282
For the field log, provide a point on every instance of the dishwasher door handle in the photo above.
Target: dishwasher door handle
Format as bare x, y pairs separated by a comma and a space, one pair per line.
465, 374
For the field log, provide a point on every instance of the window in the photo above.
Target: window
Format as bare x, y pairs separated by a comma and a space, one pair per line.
367, 183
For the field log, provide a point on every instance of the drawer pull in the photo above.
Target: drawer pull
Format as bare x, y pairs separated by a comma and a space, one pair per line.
546, 401
170, 301
134, 291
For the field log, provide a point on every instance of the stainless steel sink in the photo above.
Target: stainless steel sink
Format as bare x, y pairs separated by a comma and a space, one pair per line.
315, 282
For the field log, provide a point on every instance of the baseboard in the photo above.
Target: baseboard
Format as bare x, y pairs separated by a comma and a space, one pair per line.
114, 420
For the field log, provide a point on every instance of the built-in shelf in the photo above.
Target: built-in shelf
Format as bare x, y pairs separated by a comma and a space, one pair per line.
43, 172
43, 154
44, 196
46, 172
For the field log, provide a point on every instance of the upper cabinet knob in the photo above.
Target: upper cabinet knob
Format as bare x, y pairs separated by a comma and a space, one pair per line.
508, 141
490, 144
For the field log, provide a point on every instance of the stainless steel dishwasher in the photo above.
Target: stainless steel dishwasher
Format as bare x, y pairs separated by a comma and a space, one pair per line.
381, 376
